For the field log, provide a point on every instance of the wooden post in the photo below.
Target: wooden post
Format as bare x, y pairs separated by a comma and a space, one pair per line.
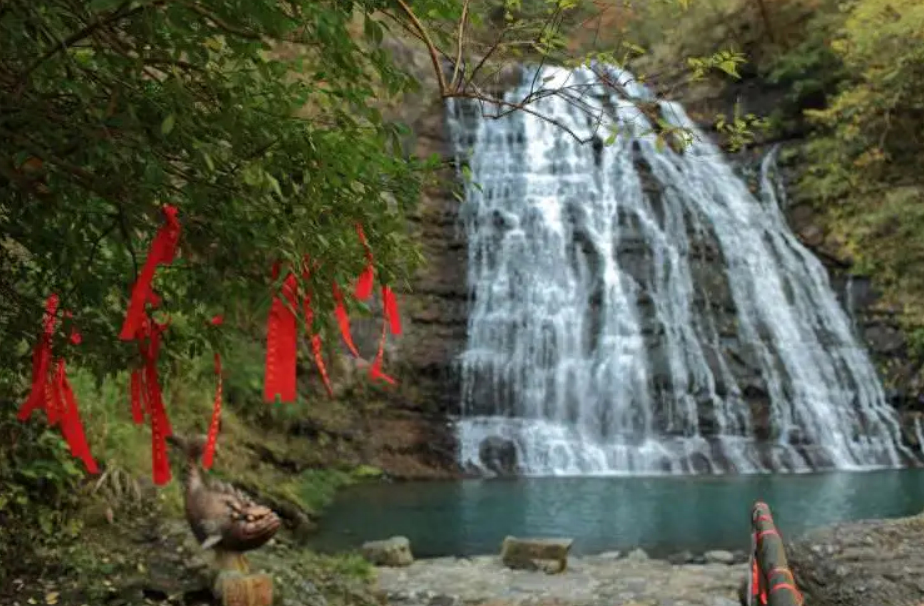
775, 585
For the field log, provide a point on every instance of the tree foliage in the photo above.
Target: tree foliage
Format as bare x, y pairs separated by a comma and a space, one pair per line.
111, 109
868, 160
259, 121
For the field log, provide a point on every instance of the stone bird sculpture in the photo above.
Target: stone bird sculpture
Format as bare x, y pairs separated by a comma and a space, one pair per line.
222, 517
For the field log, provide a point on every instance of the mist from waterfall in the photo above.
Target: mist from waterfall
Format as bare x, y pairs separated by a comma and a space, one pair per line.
639, 310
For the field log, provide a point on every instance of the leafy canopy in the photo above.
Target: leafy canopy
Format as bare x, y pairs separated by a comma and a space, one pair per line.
259, 120
868, 160
256, 119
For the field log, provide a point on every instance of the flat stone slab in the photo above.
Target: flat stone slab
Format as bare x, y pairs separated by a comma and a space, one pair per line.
588, 581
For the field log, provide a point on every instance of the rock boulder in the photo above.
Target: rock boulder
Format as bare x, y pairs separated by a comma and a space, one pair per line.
395, 551
861, 563
549, 555
498, 455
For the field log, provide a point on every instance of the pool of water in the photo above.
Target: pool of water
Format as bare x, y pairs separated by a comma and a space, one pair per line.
663, 515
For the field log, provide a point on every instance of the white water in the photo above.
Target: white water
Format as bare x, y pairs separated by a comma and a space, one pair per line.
595, 342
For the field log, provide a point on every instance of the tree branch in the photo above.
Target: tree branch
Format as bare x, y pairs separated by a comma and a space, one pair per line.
116, 15
221, 24
461, 35
431, 47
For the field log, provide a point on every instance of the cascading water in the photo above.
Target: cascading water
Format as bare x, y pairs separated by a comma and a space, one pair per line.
639, 310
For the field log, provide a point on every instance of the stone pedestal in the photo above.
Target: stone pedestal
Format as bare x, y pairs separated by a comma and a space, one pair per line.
238, 589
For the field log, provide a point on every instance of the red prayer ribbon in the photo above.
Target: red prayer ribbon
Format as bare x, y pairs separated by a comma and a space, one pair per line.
161, 252
72, 426
375, 370
390, 306
157, 413
343, 320
52, 391
315, 340
208, 454
366, 279
282, 343
41, 360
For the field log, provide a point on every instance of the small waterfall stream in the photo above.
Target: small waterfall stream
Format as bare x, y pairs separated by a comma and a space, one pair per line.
638, 310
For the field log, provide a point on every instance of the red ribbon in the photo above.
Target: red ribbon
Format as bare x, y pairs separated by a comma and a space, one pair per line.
157, 413
282, 343
375, 370
161, 252
52, 391
41, 360
209, 452
315, 340
72, 426
343, 320
390, 307
363, 289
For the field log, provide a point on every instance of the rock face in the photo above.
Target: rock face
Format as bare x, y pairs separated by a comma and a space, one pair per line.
395, 551
548, 555
860, 563
498, 455
879, 327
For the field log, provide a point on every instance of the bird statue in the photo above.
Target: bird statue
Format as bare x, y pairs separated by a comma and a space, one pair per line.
220, 516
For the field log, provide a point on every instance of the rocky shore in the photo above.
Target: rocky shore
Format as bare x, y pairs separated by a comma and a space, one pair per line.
607, 579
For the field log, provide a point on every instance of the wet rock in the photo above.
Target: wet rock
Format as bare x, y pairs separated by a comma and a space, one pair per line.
637, 555
548, 555
678, 559
395, 551
720, 556
498, 455
853, 563
609, 555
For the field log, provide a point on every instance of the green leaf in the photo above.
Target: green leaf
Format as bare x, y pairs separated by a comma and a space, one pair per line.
167, 125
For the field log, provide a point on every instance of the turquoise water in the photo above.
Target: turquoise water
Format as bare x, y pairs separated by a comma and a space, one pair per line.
660, 514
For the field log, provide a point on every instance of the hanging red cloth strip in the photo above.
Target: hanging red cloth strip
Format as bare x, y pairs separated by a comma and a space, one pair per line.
72, 426
209, 453
52, 391
343, 320
364, 283
390, 320
390, 306
157, 413
41, 361
315, 340
282, 343
161, 252
54, 399
375, 370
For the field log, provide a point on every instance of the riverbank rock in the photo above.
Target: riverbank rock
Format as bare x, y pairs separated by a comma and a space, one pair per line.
588, 581
395, 551
548, 555
720, 556
861, 563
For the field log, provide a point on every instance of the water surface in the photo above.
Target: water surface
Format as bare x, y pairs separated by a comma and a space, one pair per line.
660, 514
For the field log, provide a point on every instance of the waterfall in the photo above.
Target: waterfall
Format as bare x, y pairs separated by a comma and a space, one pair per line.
638, 310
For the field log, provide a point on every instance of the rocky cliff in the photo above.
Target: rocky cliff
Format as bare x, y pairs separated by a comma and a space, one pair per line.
416, 435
